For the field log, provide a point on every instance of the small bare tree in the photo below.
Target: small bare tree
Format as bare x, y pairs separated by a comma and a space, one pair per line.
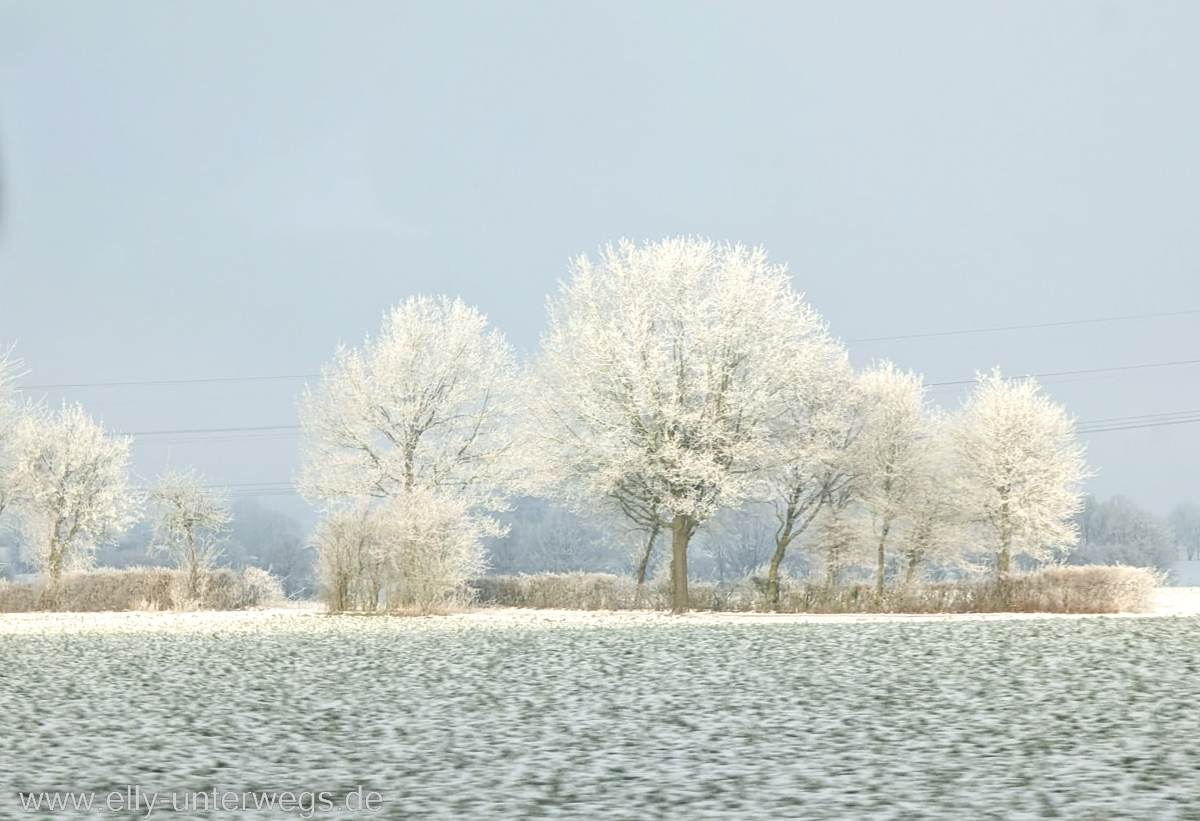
190, 520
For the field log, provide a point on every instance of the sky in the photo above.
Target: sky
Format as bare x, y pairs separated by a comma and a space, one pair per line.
228, 190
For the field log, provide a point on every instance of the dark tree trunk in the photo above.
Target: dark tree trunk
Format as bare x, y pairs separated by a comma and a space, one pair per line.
879, 560
772, 593
643, 564
681, 531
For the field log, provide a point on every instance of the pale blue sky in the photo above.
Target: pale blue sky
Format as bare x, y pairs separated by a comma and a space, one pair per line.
228, 189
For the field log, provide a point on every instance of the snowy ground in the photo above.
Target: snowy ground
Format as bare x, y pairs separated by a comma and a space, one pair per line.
540, 714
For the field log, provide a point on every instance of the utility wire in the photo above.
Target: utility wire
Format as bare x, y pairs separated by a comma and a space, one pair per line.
1159, 424
1000, 328
284, 377
295, 428
1077, 373
1116, 423
247, 429
152, 382
1143, 418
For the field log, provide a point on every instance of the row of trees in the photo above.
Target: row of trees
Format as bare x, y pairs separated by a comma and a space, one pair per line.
675, 380
65, 481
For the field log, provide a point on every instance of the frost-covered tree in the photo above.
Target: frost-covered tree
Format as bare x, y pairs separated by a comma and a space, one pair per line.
1019, 468
421, 406
190, 520
818, 461
1118, 531
1184, 520
433, 549
415, 550
740, 541
349, 558
272, 540
415, 422
664, 381
935, 527
895, 450
73, 484
543, 537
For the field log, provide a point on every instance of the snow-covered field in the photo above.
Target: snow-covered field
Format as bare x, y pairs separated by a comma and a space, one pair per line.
528, 714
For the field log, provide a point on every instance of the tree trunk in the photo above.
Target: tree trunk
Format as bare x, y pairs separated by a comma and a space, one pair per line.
54, 565
193, 569
681, 532
912, 569
1005, 534
55, 556
879, 561
643, 564
772, 593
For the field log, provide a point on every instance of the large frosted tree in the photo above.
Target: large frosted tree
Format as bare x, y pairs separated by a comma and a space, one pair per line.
1019, 468
411, 427
422, 405
72, 479
665, 381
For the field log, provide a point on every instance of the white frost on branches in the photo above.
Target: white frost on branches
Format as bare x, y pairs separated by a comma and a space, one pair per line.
416, 550
73, 486
423, 405
1020, 468
190, 520
935, 528
818, 465
407, 451
897, 453
665, 380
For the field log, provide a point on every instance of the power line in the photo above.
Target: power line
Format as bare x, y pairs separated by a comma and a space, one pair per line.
1142, 418
152, 382
1143, 425
1000, 328
1149, 420
1077, 373
181, 431
1113, 423
295, 428
142, 383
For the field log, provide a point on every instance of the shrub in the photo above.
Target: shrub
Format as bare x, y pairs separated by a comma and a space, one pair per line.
1088, 589
415, 552
142, 588
17, 597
